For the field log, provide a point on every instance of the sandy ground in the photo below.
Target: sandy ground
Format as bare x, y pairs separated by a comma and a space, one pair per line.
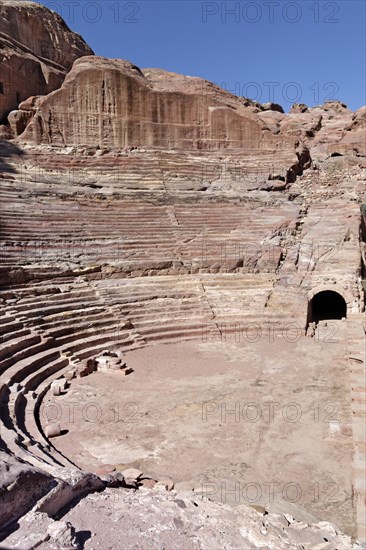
266, 423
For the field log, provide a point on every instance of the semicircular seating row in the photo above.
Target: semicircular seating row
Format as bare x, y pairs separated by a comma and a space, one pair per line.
45, 331
48, 328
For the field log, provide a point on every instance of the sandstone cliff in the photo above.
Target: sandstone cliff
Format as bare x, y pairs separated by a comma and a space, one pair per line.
36, 48
112, 103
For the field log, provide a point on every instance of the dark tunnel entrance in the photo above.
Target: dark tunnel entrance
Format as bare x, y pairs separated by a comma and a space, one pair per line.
326, 305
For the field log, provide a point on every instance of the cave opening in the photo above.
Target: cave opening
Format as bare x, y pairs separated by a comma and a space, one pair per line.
327, 304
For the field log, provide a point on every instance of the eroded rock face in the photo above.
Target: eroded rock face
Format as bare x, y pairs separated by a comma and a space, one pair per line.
20, 486
326, 129
112, 103
37, 49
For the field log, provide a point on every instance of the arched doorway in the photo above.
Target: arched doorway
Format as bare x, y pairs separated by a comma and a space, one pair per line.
326, 304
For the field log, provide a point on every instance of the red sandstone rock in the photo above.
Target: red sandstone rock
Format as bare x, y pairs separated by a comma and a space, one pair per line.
335, 105
301, 124
86, 368
30, 104
6, 132
272, 120
353, 142
148, 483
101, 101
358, 119
18, 121
272, 107
298, 108
132, 473
36, 51
105, 469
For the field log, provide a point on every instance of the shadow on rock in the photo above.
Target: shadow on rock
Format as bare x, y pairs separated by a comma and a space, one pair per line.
7, 152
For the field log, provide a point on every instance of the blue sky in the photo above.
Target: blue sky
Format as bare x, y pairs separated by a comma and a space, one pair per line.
270, 50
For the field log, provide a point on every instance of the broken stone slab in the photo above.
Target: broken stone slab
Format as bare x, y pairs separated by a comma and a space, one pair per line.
132, 473
20, 486
48, 533
62, 533
166, 483
131, 483
148, 483
70, 484
116, 479
107, 479
26, 536
297, 537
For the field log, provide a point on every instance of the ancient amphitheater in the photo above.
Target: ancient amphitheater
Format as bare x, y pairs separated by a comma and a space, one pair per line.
213, 250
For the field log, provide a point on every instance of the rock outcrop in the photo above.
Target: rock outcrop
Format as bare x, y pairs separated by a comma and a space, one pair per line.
326, 129
37, 49
112, 103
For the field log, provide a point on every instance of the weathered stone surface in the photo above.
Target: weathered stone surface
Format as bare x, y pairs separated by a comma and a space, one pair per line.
30, 104
101, 100
148, 483
20, 486
70, 485
274, 185
62, 535
166, 483
132, 473
272, 107
18, 121
301, 125
358, 119
352, 142
6, 132
266, 235
298, 108
328, 129
154, 519
36, 48
335, 105
272, 120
